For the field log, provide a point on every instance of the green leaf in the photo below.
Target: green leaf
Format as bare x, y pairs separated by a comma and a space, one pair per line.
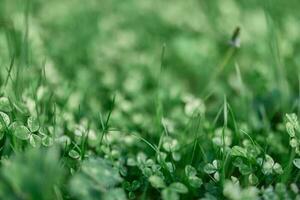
179, 187
244, 169
131, 195
161, 157
126, 185
170, 167
190, 171
135, 185
238, 151
238, 162
170, 145
294, 142
64, 140
74, 154
195, 181
33, 124
131, 162
209, 168
216, 176
21, 132
141, 158
35, 140
217, 164
149, 162
253, 180
293, 119
146, 171
277, 168
157, 182
176, 156
268, 165
4, 121
47, 141
296, 162
290, 129
5, 104
97, 179
168, 194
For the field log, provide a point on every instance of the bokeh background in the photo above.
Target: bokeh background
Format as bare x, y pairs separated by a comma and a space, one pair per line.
117, 44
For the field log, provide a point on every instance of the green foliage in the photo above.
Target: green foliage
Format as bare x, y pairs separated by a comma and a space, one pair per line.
96, 179
157, 182
293, 129
33, 124
143, 99
173, 191
31, 175
20, 131
234, 192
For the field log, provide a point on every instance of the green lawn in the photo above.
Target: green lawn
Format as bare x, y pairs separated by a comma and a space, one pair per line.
149, 99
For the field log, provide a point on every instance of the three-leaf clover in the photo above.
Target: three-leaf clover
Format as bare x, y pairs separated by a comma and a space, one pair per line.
269, 166
213, 168
131, 187
191, 174
20, 131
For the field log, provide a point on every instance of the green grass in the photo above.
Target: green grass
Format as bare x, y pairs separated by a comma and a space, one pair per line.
149, 100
